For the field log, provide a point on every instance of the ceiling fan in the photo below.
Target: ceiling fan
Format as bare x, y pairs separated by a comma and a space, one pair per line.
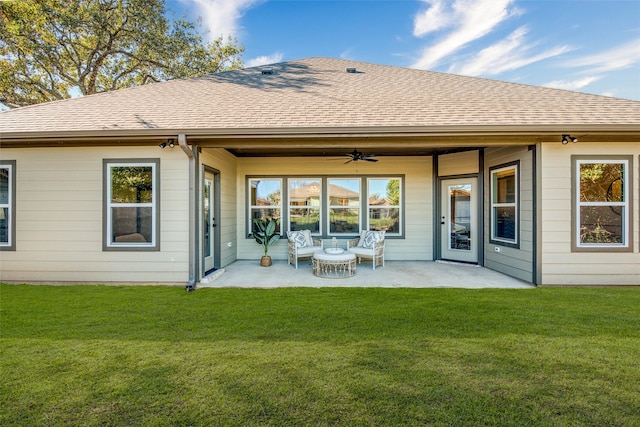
356, 155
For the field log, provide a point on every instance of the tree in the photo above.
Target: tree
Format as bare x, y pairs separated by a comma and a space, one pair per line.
393, 192
53, 49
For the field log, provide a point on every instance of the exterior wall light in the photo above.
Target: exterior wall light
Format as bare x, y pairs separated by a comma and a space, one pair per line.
170, 142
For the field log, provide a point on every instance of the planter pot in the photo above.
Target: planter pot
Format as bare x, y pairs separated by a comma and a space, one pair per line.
265, 261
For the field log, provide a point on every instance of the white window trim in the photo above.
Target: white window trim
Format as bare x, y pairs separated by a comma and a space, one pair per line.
110, 204
9, 244
494, 205
285, 206
319, 207
399, 207
329, 206
625, 204
252, 207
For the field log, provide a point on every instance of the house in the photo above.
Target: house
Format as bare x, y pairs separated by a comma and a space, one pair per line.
159, 183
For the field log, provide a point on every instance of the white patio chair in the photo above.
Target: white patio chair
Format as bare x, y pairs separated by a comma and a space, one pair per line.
370, 245
302, 245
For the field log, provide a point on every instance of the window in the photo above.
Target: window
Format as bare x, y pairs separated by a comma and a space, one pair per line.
344, 205
265, 200
383, 204
305, 196
131, 204
328, 206
601, 194
504, 204
7, 205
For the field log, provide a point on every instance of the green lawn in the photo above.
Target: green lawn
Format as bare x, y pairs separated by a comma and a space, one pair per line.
99, 355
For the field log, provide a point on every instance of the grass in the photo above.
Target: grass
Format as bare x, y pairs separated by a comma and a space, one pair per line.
114, 356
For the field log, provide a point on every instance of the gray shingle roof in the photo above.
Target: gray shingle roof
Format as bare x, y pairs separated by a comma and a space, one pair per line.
319, 93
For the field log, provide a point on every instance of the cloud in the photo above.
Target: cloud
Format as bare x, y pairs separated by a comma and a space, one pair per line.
346, 54
508, 54
469, 20
596, 66
264, 60
222, 17
623, 56
572, 85
433, 19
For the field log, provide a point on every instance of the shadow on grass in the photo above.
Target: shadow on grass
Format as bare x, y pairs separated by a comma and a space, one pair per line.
304, 314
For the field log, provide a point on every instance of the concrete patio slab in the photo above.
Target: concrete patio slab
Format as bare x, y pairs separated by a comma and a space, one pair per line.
395, 274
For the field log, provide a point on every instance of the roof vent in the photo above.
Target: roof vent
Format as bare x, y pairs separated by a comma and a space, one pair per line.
351, 69
267, 71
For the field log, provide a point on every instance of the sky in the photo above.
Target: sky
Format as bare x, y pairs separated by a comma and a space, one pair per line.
588, 46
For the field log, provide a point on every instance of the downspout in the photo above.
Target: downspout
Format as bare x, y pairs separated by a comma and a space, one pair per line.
437, 227
480, 207
537, 213
182, 141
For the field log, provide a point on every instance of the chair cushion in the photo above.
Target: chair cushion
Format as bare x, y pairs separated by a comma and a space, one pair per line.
371, 237
308, 250
302, 238
358, 250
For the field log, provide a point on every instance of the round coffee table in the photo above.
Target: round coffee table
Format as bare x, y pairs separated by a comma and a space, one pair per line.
334, 266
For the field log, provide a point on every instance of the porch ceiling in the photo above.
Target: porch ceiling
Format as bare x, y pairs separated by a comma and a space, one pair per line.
302, 145
339, 145
338, 151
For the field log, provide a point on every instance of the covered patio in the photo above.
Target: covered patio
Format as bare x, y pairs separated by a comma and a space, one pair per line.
395, 274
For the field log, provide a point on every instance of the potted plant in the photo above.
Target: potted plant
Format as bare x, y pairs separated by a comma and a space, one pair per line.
266, 236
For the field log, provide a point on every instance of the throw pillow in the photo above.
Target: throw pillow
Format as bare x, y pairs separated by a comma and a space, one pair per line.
307, 237
298, 237
362, 234
371, 238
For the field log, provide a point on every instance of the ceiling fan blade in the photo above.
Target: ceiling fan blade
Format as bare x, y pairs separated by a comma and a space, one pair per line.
356, 155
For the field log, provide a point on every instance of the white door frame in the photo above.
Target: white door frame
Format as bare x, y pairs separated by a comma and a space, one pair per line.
459, 213
210, 212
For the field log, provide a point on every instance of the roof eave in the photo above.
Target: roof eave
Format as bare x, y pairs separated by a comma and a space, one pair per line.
209, 135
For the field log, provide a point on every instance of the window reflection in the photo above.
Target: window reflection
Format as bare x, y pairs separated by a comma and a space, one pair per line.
265, 199
4, 206
344, 206
460, 204
504, 204
131, 205
304, 204
602, 203
384, 204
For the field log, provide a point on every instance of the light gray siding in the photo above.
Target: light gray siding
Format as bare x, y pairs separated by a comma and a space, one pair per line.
516, 262
226, 164
561, 266
462, 163
59, 210
418, 206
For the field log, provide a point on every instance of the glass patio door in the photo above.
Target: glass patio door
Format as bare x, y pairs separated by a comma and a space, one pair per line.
209, 222
459, 220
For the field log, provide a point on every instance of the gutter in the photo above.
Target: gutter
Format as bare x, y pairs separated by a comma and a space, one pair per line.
143, 134
193, 263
